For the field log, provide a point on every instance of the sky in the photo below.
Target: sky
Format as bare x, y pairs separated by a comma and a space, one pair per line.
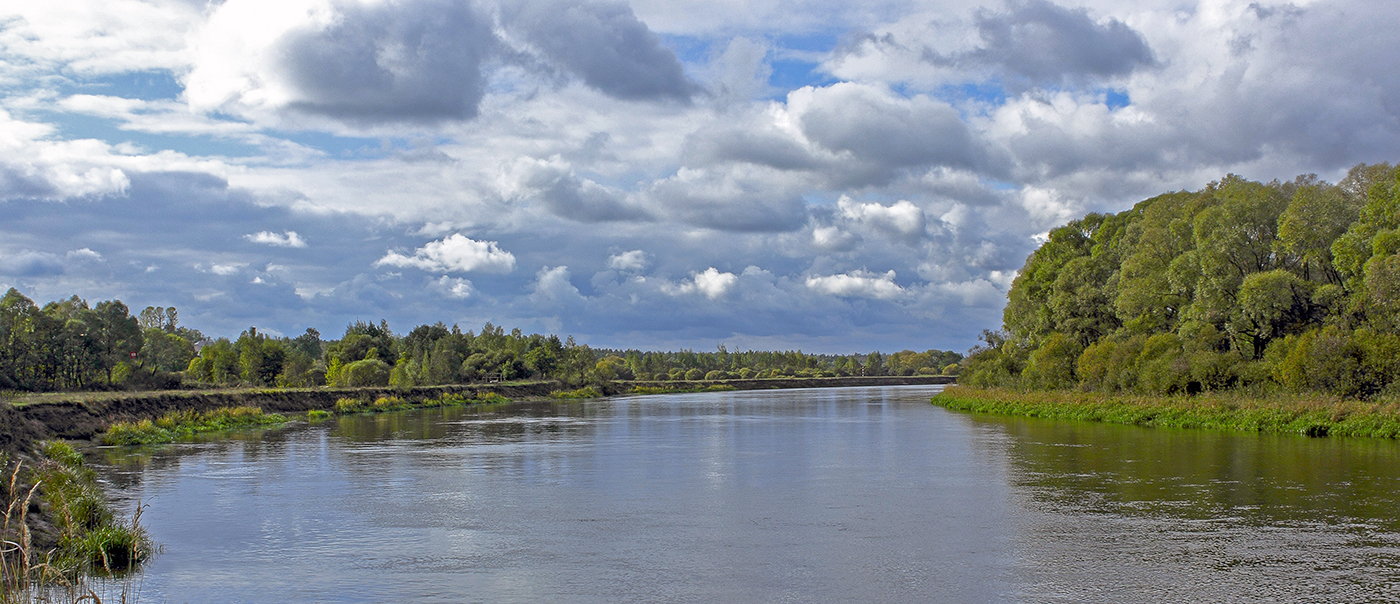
823, 175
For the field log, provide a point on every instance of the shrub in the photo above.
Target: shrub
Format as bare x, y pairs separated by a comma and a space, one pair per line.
715, 375
1162, 365
388, 403
1052, 364
694, 374
349, 405
1212, 370
491, 398
369, 372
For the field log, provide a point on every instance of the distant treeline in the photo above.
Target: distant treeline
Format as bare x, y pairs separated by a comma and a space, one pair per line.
1292, 285
67, 345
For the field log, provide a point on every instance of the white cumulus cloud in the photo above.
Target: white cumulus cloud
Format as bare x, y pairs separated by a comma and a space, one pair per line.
903, 218
286, 239
859, 284
634, 260
712, 283
454, 287
454, 254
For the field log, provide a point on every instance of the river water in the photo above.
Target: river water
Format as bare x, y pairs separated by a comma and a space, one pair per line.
825, 495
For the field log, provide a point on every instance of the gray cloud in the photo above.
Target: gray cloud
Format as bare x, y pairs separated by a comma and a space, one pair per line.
605, 44
418, 61
31, 264
891, 134
17, 183
566, 195
877, 135
736, 200
751, 144
1048, 43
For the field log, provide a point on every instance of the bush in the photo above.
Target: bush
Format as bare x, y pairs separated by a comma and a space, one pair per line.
493, 398
694, 374
1212, 370
349, 405
1162, 365
389, 403
716, 375
1052, 364
369, 372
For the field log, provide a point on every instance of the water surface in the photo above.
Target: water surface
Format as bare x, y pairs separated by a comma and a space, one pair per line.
826, 495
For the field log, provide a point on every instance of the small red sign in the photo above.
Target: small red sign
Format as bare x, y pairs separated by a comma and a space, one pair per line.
133, 355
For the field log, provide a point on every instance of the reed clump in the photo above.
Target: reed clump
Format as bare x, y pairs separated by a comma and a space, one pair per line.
1309, 414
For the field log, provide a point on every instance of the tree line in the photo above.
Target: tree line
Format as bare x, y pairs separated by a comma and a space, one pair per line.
68, 345
723, 364
1282, 285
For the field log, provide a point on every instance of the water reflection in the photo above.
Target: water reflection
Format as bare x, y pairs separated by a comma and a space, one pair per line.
1126, 514
1197, 474
842, 495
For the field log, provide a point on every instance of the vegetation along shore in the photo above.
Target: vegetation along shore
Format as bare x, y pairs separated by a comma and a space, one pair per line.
1249, 306
1284, 413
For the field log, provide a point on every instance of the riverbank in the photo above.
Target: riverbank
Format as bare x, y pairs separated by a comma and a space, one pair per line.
85, 415
1307, 414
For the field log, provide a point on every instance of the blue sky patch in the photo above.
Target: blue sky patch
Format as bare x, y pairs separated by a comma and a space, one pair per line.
143, 85
75, 126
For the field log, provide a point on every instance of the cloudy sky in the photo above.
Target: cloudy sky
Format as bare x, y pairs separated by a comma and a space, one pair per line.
828, 175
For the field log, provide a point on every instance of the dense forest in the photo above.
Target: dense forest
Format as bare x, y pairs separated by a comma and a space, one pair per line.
1264, 286
69, 345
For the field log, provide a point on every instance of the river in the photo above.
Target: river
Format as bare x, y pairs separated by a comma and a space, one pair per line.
820, 495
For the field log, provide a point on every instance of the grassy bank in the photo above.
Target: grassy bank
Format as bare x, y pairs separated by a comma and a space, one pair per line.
186, 423
177, 424
1313, 415
58, 531
393, 403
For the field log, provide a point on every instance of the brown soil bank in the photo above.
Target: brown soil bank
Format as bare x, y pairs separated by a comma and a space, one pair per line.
88, 414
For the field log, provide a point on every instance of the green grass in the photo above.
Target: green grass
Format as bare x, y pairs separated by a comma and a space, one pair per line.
584, 392
394, 403
186, 423
681, 390
1310, 414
